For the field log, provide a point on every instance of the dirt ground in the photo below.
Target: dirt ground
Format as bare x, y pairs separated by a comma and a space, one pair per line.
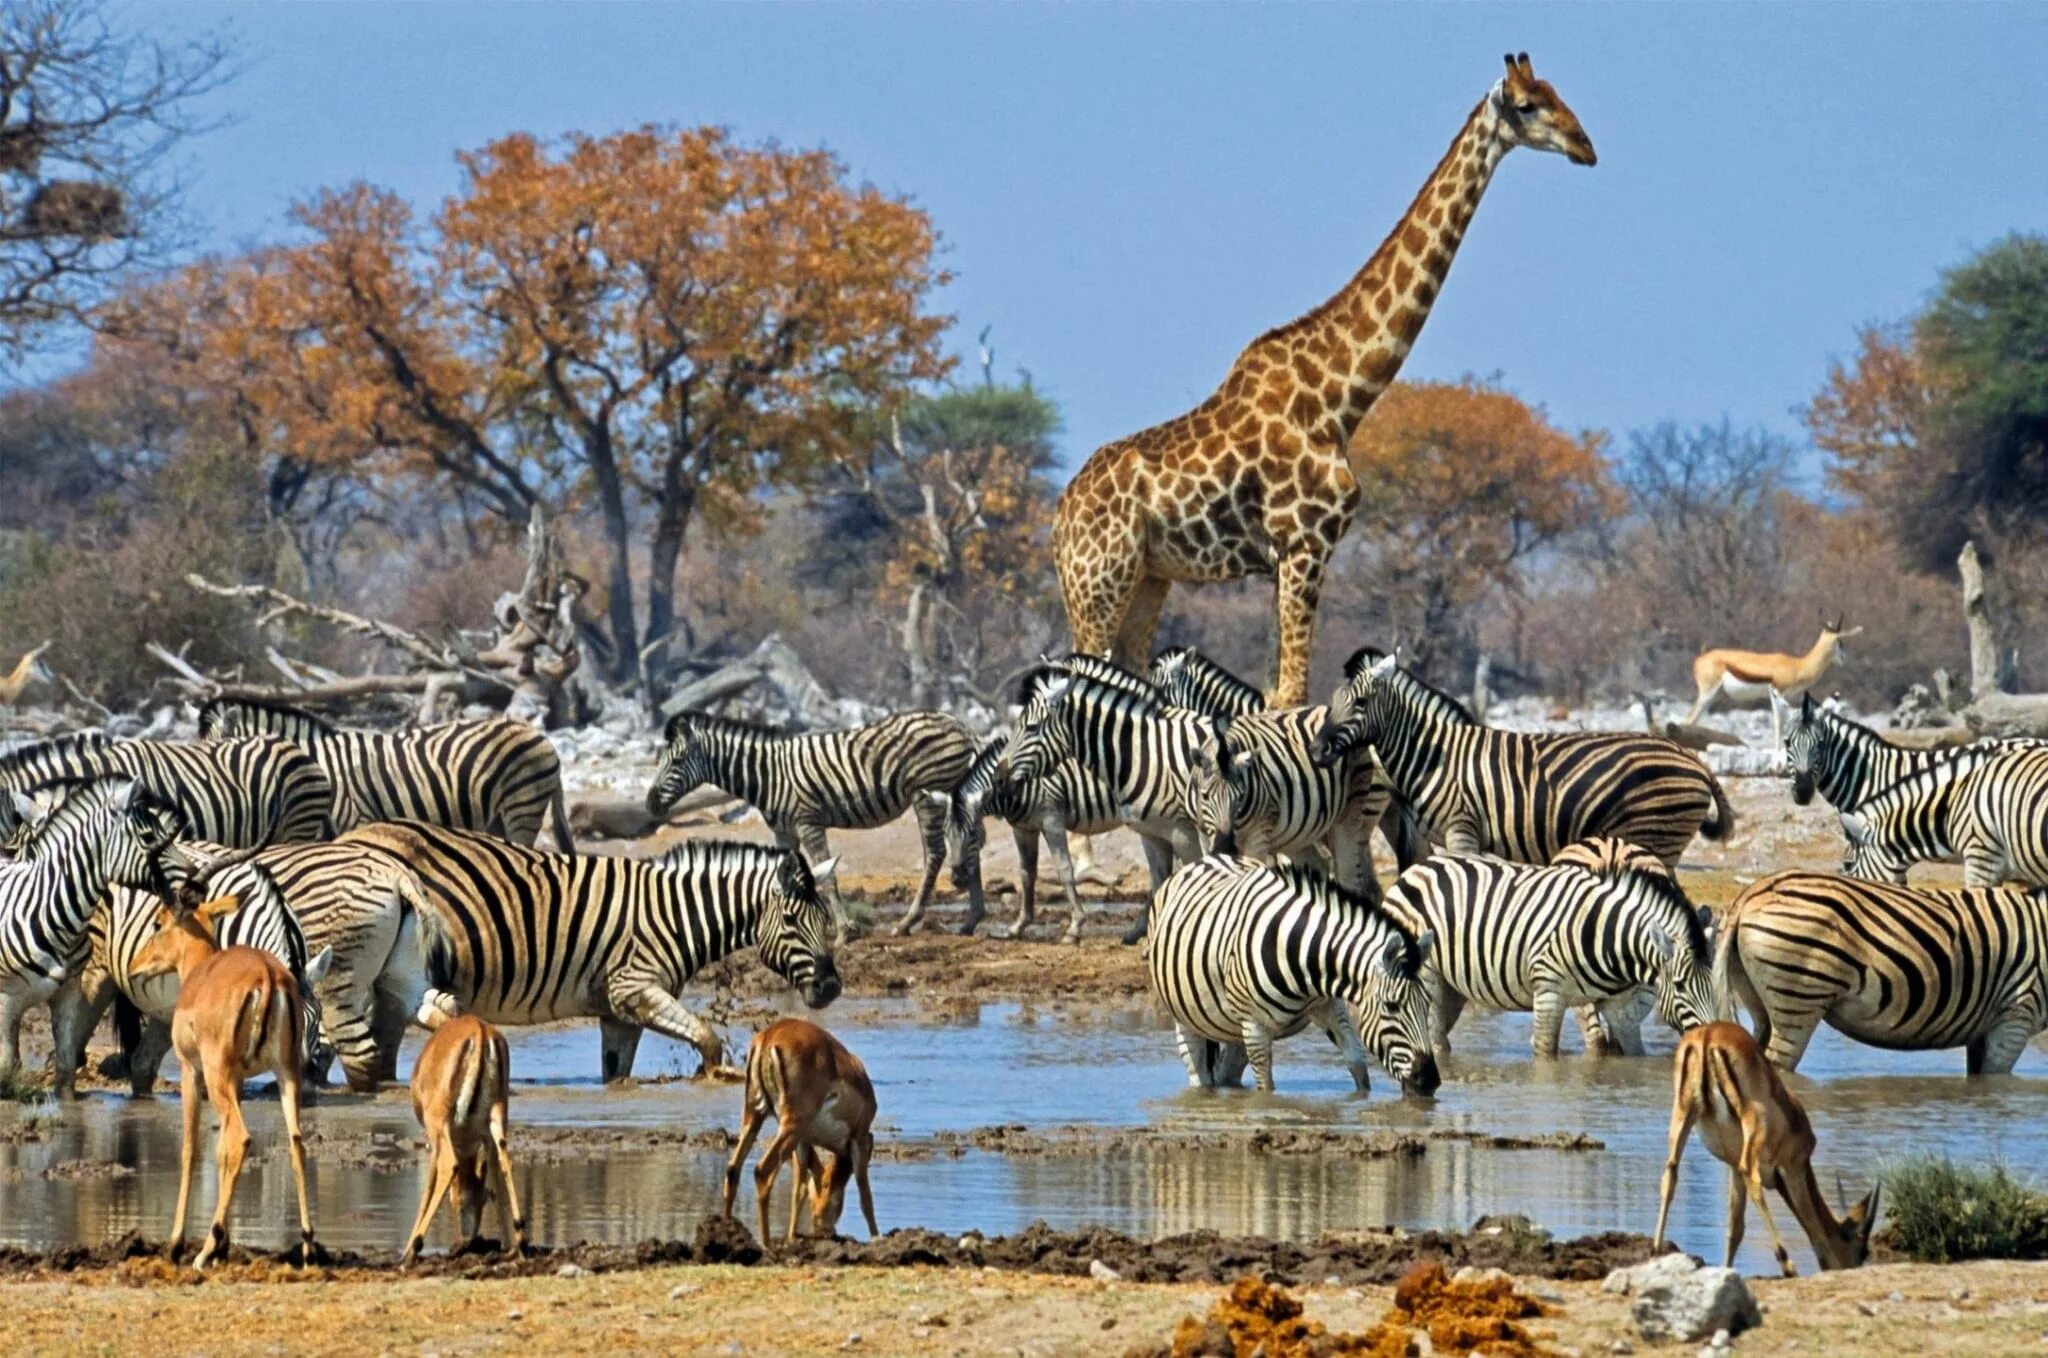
1890, 1311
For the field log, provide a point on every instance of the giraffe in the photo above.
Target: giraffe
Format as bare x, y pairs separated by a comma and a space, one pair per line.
1254, 480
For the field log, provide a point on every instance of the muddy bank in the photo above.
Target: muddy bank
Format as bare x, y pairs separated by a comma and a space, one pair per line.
1199, 1257
1055, 1142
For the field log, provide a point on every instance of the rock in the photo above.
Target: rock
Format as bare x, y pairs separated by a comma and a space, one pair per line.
572, 1271
721, 1240
1634, 1278
1896, 1297
1621, 1346
515, 1314
1102, 1272
681, 1290
1469, 1274
1694, 1304
852, 1341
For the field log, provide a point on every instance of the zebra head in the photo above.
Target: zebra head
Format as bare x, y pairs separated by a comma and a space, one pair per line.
1355, 715
1685, 995
1393, 1010
965, 829
139, 847
1210, 798
1869, 857
685, 765
1039, 738
796, 930
1802, 747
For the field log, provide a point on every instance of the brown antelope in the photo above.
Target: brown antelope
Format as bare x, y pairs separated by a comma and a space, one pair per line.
460, 1087
1751, 1123
820, 1097
238, 1016
29, 667
1754, 676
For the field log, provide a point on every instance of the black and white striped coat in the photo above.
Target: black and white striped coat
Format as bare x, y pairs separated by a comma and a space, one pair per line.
1243, 954
1069, 800
2000, 823
109, 833
1187, 678
239, 793
1161, 764
1909, 822
1892, 966
1517, 795
1847, 763
805, 784
516, 935
497, 776
1604, 922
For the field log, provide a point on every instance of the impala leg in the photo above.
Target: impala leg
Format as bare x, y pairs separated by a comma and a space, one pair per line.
863, 1150
470, 1193
807, 1176
1738, 1192
767, 1168
440, 1176
188, 1154
1682, 1117
1752, 1180
751, 1120
508, 1191
230, 1146
288, 1094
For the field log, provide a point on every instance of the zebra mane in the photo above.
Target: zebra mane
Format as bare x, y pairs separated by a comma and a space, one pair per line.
1434, 701
75, 742
214, 709
1922, 781
981, 774
1327, 891
84, 799
1203, 670
1106, 672
1139, 702
693, 855
712, 722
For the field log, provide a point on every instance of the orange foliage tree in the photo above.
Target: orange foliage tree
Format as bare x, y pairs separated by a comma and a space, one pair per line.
663, 322
1463, 481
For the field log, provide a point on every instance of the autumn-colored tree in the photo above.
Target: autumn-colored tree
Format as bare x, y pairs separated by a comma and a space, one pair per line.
1463, 481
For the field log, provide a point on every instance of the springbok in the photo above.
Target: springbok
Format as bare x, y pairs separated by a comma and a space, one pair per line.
238, 1016
820, 1097
1754, 676
460, 1087
1752, 1124
29, 667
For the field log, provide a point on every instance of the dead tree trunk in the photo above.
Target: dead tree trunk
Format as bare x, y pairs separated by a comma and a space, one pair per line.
1984, 616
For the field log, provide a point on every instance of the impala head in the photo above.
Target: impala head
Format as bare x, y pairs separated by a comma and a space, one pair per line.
1848, 1244
1353, 719
1393, 1011
1038, 738
1832, 635
1869, 858
684, 766
1532, 115
183, 938
796, 930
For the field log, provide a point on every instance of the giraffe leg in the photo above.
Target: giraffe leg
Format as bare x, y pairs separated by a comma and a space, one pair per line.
1097, 588
1141, 624
1298, 585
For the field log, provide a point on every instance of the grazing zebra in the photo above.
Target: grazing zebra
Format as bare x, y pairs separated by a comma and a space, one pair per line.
2000, 823
1602, 923
1847, 763
1909, 822
1161, 764
805, 784
1189, 679
1069, 800
1894, 967
116, 832
499, 776
239, 793
1519, 796
1243, 954
516, 935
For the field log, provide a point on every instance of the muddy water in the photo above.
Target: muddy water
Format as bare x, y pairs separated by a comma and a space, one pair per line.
998, 1064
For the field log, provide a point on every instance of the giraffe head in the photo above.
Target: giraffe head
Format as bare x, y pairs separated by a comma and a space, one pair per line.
1532, 115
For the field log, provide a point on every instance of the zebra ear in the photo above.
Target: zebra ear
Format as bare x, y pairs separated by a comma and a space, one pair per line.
674, 726
24, 806
1855, 827
1706, 919
317, 969
824, 867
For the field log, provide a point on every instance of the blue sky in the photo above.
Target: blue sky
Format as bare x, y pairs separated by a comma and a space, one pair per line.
1130, 192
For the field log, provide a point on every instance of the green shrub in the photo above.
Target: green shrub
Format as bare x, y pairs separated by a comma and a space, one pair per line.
1942, 1212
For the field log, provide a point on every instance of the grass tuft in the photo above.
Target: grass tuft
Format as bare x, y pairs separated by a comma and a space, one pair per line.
1942, 1212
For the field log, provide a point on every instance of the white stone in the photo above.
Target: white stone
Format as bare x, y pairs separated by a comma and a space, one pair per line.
1469, 1274
1636, 1276
572, 1271
681, 1290
1102, 1272
1689, 1306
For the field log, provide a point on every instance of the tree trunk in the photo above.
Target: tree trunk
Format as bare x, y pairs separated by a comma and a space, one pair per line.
917, 647
611, 499
1981, 612
665, 555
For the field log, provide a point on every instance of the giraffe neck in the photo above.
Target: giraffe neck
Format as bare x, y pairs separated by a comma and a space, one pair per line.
1364, 333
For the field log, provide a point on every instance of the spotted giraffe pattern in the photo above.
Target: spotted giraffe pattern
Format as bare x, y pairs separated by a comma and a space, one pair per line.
1254, 480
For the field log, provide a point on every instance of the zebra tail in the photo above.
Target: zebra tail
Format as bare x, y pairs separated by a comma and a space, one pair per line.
1723, 823
558, 808
1729, 978
474, 1062
437, 942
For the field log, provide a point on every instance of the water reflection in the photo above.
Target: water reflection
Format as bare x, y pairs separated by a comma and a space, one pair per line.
1042, 1068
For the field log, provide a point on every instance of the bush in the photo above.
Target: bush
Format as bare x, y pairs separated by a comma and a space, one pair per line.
1942, 1212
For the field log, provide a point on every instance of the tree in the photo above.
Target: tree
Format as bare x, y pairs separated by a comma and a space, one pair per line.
87, 120
664, 321
1463, 482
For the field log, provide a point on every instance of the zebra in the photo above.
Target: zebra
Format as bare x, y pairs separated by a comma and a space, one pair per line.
112, 832
237, 793
1284, 802
1187, 678
1162, 765
516, 935
499, 776
1520, 796
1069, 800
1906, 823
2000, 824
1243, 954
1894, 967
805, 784
1847, 762
1602, 923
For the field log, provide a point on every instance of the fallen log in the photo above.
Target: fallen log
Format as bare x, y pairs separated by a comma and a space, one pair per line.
627, 817
2009, 714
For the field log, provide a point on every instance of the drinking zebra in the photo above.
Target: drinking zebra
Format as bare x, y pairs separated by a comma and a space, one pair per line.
1161, 764
515, 935
1520, 796
498, 776
1604, 922
115, 832
1909, 822
804, 785
1894, 967
237, 793
1243, 955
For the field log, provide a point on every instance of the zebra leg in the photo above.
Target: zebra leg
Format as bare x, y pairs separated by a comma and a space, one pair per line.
1614, 1026
1336, 1021
11, 1009
1194, 1054
1158, 866
1258, 1050
1462, 835
641, 1000
1789, 1035
151, 1046
931, 825
1063, 859
618, 1041
67, 1036
1998, 1051
1446, 1005
1549, 1023
1226, 1065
